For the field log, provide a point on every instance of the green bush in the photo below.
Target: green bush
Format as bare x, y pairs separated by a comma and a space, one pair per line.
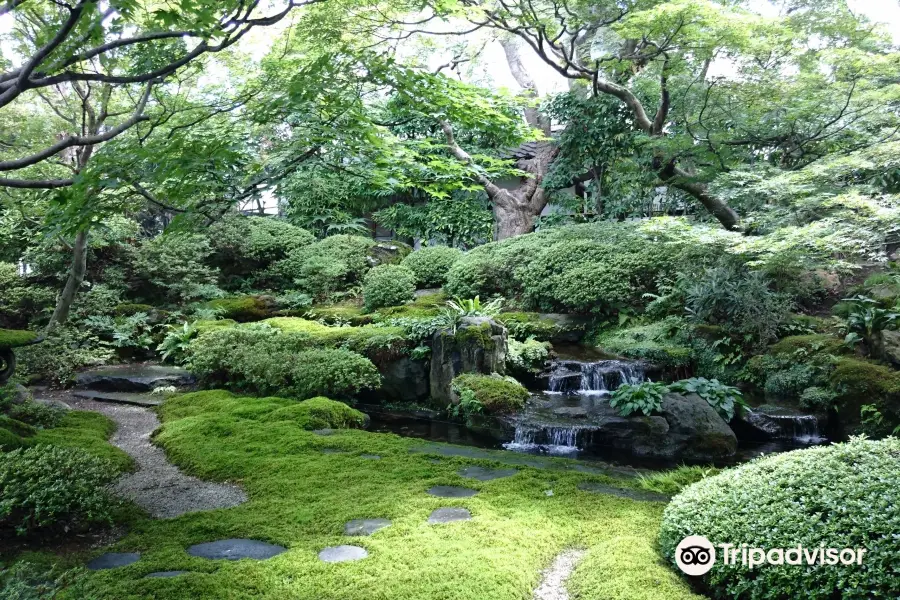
591, 268
17, 427
10, 441
59, 357
661, 342
49, 488
388, 285
263, 361
645, 397
335, 264
21, 301
320, 413
244, 309
431, 265
495, 394
37, 414
840, 496
172, 269
25, 580
528, 356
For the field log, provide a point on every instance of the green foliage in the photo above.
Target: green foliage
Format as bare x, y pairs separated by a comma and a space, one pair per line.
335, 264
591, 268
244, 308
175, 345
661, 342
430, 265
529, 356
243, 248
463, 219
473, 307
388, 285
320, 413
25, 580
50, 488
21, 301
727, 400
857, 382
674, 481
495, 394
171, 269
39, 415
16, 427
379, 343
59, 357
810, 497
297, 364
522, 325
865, 317
11, 338
645, 397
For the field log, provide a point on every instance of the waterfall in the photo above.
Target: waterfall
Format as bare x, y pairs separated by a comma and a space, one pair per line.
800, 428
552, 440
600, 377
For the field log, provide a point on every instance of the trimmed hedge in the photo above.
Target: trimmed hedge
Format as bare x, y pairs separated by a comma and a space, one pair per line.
388, 285
840, 496
431, 265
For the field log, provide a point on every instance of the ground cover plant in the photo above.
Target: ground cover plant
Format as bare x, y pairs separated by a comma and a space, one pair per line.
301, 498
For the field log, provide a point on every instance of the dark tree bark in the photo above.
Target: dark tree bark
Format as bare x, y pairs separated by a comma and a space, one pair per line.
73, 281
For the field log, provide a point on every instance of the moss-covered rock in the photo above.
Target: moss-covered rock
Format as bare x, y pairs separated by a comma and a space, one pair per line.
478, 345
12, 338
339, 314
496, 394
379, 344
654, 342
320, 413
245, 309
211, 325
127, 309
815, 343
544, 327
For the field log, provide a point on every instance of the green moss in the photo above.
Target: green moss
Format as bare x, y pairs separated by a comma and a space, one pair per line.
340, 314
128, 309
377, 343
244, 309
865, 380
814, 344
301, 498
89, 431
497, 395
17, 427
209, 325
11, 338
319, 413
10, 441
474, 335
653, 342
522, 325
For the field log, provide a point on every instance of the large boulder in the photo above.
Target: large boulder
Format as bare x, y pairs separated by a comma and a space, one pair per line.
477, 346
887, 347
388, 253
404, 379
133, 378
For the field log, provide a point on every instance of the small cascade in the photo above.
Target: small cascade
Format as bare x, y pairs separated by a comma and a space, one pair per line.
782, 425
549, 440
600, 377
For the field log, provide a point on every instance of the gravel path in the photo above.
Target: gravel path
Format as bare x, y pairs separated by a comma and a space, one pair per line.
157, 486
553, 579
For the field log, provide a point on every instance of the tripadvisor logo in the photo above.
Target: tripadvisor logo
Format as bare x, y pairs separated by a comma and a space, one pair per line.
695, 555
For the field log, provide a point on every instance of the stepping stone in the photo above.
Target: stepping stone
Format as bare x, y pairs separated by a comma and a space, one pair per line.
235, 549
166, 574
365, 526
113, 560
336, 554
448, 515
131, 398
370, 456
133, 378
483, 474
451, 491
333, 451
324, 432
601, 488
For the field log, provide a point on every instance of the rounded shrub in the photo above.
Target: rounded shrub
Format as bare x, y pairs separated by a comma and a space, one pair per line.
47, 487
497, 395
320, 413
431, 265
388, 285
840, 496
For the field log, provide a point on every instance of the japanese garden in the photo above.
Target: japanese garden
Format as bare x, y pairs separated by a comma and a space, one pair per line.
457, 300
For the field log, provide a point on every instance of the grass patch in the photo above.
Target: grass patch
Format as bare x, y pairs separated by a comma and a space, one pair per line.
301, 498
89, 431
11, 338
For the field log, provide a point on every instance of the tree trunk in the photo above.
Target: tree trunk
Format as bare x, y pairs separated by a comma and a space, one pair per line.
512, 220
678, 178
73, 282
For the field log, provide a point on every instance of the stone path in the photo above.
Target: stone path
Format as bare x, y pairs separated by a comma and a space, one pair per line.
157, 486
235, 549
336, 554
451, 491
553, 579
448, 515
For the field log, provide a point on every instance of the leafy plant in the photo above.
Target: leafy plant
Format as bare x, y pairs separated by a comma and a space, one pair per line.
645, 397
177, 341
472, 307
727, 400
866, 317
467, 407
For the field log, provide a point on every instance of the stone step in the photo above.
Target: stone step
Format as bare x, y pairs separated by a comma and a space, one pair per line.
130, 398
133, 378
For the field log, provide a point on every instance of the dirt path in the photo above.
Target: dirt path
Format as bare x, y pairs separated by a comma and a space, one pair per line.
157, 486
553, 579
